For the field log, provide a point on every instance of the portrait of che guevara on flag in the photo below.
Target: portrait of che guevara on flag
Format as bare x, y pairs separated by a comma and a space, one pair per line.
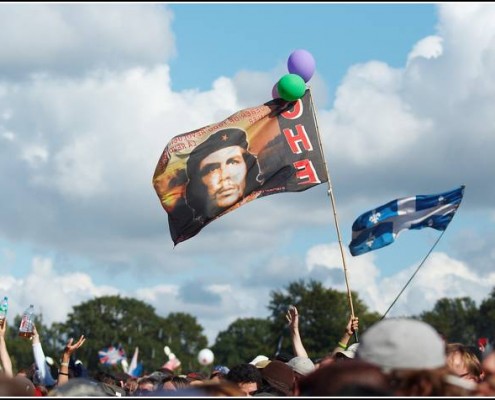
206, 173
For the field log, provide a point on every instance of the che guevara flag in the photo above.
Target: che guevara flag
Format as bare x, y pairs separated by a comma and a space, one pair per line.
206, 173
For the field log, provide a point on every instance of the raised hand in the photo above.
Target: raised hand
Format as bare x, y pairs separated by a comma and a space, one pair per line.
3, 329
352, 325
292, 317
71, 347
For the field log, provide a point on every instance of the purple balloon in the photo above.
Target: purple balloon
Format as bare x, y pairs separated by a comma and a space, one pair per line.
302, 63
275, 94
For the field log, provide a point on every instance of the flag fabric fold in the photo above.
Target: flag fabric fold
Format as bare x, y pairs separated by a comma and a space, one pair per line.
380, 227
268, 149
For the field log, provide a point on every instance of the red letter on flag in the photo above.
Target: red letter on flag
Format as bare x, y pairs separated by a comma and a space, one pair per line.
300, 137
305, 170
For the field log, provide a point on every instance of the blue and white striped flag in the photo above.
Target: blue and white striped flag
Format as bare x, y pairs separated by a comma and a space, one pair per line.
379, 227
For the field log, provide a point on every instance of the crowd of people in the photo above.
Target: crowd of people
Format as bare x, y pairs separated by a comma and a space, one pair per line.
394, 357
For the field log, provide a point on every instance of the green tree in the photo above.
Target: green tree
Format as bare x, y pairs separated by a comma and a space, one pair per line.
486, 318
185, 338
323, 315
113, 320
455, 319
243, 340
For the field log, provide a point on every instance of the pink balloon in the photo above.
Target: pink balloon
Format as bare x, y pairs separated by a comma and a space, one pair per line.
302, 63
275, 94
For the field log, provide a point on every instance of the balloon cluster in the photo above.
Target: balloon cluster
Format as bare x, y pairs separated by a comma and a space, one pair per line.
292, 86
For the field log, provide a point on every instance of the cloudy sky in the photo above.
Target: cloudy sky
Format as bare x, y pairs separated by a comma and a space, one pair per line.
90, 95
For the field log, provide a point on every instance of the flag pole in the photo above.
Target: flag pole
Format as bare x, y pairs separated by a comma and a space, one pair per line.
334, 208
413, 275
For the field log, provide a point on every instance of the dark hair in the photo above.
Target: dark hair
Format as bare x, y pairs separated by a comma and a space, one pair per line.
180, 382
244, 373
195, 189
105, 377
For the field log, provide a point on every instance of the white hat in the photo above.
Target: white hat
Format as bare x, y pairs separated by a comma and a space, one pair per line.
350, 352
259, 358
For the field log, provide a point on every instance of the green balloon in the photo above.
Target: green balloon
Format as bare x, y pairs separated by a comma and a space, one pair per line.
291, 87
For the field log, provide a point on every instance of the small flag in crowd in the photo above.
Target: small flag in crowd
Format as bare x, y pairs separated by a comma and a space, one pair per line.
135, 368
111, 355
379, 227
259, 151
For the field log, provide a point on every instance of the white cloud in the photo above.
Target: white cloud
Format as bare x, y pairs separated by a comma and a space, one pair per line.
44, 288
34, 155
429, 47
74, 38
440, 276
236, 302
371, 118
8, 136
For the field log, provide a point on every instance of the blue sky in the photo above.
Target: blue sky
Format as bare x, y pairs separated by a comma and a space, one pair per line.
352, 33
90, 95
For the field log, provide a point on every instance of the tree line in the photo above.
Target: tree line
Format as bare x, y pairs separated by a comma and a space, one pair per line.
116, 320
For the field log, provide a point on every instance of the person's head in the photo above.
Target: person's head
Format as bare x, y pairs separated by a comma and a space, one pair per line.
219, 372
279, 379
105, 377
222, 388
410, 352
352, 378
487, 387
178, 382
131, 385
301, 366
463, 362
146, 384
27, 372
347, 354
16, 386
246, 376
221, 172
195, 378
402, 343
79, 387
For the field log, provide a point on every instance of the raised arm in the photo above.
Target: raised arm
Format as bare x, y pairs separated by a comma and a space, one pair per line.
4, 354
297, 345
39, 358
351, 327
70, 347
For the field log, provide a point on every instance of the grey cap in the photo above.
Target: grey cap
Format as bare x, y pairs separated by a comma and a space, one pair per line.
401, 343
301, 365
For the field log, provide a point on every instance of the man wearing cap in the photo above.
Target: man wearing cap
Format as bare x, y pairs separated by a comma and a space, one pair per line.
346, 354
412, 354
279, 379
221, 173
218, 373
302, 366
